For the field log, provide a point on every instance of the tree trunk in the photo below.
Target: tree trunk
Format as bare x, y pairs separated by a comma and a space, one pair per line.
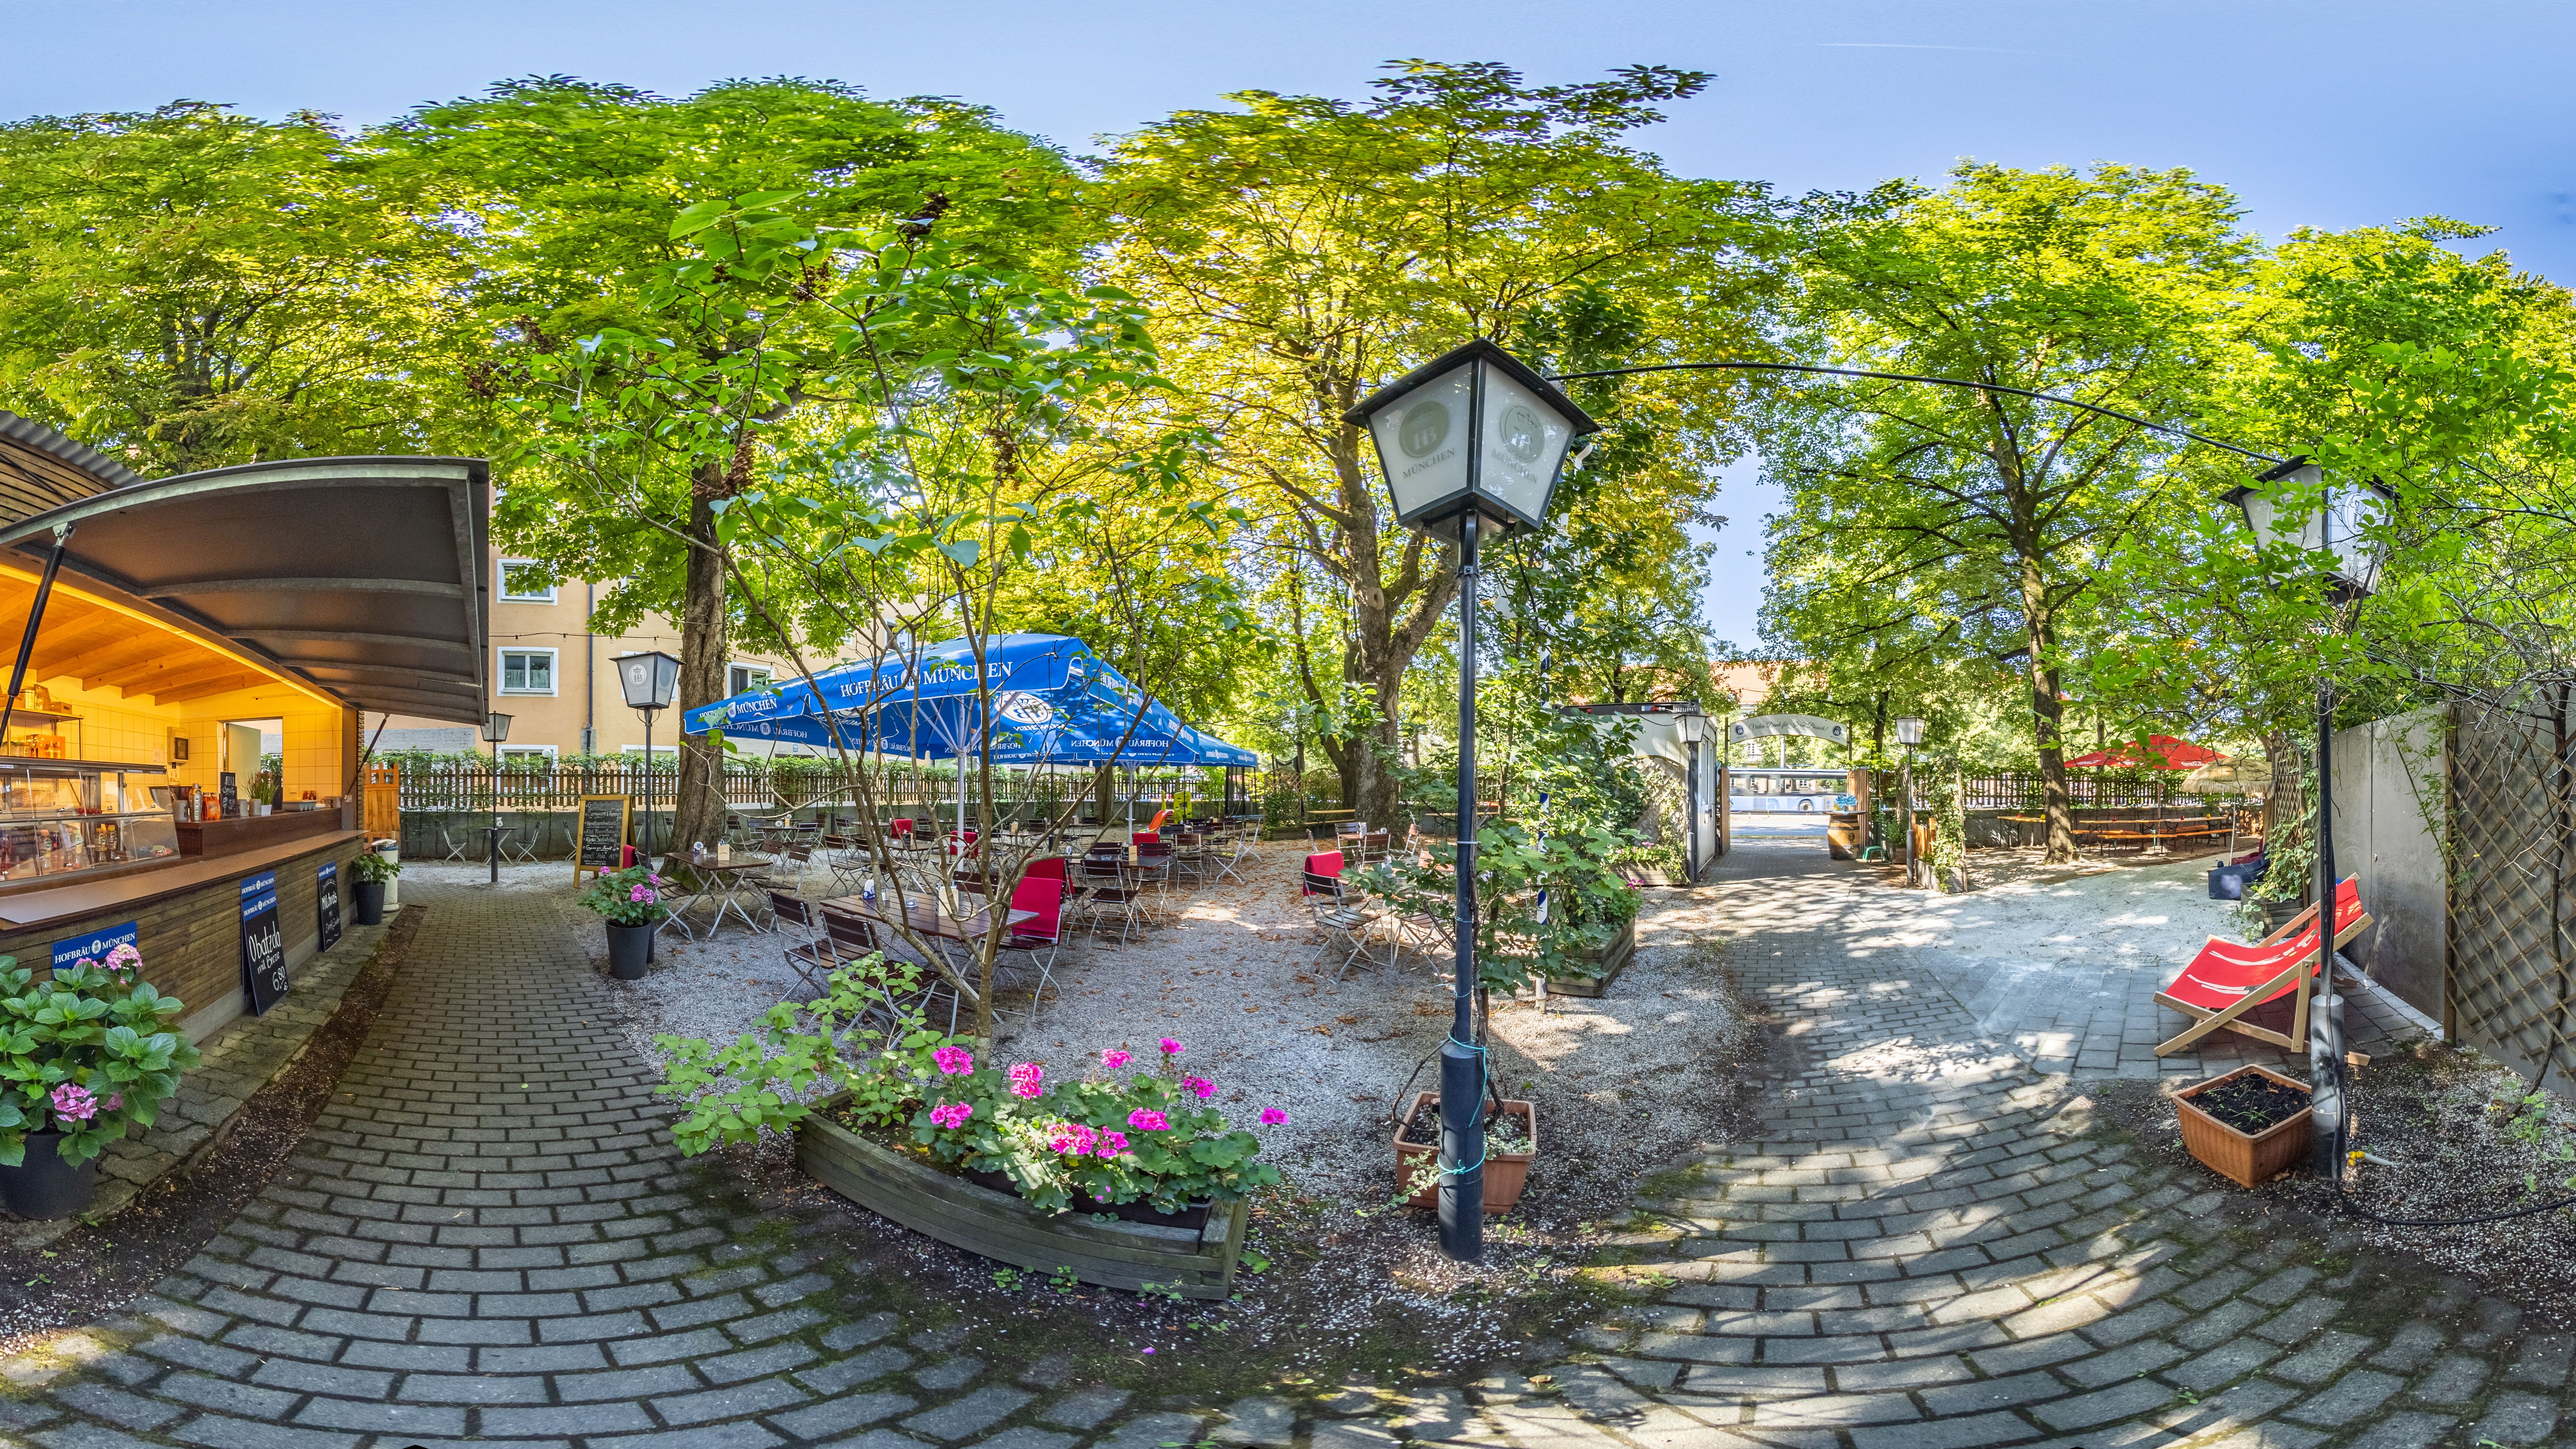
2048, 715
699, 815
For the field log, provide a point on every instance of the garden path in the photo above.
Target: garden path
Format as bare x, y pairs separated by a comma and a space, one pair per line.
489, 1238
1930, 1246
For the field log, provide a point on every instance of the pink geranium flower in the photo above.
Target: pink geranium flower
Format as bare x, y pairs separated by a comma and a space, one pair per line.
1111, 1144
955, 1061
74, 1103
1114, 1059
1026, 1079
1170, 1047
1272, 1116
952, 1114
1199, 1087
114, 1101
1145, 1119
1074, 1138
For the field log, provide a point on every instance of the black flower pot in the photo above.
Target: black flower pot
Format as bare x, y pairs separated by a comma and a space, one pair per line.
630, 950
367, 899
45, 1186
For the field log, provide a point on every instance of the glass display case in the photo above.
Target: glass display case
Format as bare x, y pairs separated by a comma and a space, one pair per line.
59, 818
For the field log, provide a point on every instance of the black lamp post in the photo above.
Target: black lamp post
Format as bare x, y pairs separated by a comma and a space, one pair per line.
496, 728
1470, 441
2290, 507
649, 681
1909, 733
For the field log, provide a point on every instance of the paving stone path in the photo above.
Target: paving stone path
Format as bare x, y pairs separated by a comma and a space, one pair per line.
1930, 1248
488, 1239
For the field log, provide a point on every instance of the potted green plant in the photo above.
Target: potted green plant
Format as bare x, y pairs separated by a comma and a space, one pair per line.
630, 900
83, 1056
368, 873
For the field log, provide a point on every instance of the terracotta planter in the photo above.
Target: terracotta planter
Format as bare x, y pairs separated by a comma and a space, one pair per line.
1193, 1262
1506, 1173
2247, 1161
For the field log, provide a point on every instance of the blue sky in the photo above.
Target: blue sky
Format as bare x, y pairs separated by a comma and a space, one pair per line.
2316, 114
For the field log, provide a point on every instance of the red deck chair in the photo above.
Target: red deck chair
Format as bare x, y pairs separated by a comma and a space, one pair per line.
2227, 979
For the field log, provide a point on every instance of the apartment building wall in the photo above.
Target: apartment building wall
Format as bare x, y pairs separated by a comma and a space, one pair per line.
557, 680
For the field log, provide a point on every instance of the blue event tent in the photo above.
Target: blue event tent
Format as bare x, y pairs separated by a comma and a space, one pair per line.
1054, 702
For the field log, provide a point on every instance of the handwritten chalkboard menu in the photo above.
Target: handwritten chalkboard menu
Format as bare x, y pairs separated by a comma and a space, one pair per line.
231, 794
326, 903
263, 944
602, 842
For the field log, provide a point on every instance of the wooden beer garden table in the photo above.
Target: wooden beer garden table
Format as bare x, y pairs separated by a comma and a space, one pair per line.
925, 918
720, 881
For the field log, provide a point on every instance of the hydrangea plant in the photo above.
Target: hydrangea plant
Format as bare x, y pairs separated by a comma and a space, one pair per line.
88, 1053
629, 897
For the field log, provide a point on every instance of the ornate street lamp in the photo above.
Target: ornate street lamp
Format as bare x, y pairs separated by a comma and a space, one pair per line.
2290, 507
1909, 733
1471, 441
496, 728
649, 682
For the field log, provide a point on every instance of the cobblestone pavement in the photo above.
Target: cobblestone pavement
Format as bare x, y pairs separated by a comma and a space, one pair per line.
489, 1239
1931, 1248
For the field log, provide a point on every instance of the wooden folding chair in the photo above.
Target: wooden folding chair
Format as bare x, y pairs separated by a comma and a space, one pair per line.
2227, 979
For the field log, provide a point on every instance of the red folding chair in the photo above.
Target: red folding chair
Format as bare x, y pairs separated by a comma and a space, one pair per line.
2228, 979
1038, 939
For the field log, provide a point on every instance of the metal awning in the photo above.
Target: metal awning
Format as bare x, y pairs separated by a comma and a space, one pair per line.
361, 576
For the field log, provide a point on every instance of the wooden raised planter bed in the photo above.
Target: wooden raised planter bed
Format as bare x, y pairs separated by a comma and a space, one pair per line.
1193, 1262
1614, 958
1506, 1173
2248, 1160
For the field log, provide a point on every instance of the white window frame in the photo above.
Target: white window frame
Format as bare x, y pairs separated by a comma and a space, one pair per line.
554, 675
735, 664
503, 583
507, 750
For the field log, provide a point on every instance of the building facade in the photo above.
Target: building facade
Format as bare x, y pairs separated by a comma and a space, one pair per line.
557, 680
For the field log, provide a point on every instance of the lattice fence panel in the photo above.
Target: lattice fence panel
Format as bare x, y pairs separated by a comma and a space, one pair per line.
2512, 967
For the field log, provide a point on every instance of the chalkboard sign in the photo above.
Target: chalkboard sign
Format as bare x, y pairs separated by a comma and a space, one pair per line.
231, 795
602, 841
94, 946
326, 902
263, 943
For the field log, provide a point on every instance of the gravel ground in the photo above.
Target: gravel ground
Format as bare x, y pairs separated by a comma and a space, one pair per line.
1621, 1085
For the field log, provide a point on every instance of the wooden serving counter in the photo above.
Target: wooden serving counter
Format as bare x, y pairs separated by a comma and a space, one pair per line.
231, 837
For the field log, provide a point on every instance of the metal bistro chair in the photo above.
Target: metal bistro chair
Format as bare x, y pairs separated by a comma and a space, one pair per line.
1336, 919
462, 849
1108, 890
1038, 941
815, 957
519, 843
856, 939
1234, 849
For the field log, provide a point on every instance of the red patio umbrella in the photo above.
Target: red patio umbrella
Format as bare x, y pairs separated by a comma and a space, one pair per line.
2175, 755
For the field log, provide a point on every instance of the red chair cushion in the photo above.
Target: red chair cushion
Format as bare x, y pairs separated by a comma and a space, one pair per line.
1044, 895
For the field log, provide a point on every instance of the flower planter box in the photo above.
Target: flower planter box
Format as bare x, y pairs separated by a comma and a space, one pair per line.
1614, 959
1195, 1263
2246, 1160
1506, 1173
